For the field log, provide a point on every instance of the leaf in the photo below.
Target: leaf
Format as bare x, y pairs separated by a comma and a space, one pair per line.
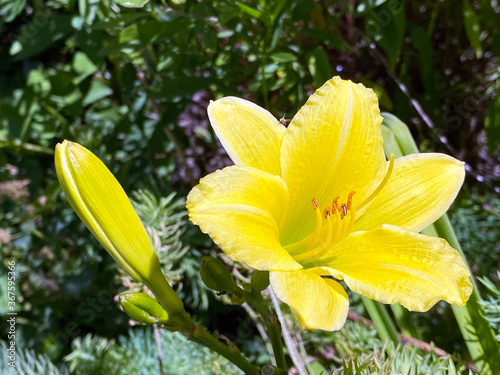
131, 3
40, 34
178, 88
96, 92
386, 25
283, 57
82, 65
472, 28
248, 10
319, 66
10, 9
492, 124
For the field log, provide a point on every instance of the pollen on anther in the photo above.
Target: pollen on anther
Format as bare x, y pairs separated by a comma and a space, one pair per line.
343, 212
327, 212
349, 199
335, 204
315, 204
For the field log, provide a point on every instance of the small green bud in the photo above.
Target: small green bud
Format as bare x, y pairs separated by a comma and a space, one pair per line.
216, 276
260, 281
142, 308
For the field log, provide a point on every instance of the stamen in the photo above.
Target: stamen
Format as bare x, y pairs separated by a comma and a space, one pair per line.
343, 212
380, 187
338, 227
347, 227
319, 224
335, 203
349, 199
327, 212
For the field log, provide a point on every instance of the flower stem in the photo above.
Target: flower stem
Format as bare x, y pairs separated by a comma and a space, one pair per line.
182, 321
201, 336
272, 324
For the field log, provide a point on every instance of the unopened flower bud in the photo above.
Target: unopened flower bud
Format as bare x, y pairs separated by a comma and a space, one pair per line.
142, 308
216, 276
99, 200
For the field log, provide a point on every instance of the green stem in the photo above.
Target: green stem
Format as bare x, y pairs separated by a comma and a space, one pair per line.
180, 319
202, 337
272, 324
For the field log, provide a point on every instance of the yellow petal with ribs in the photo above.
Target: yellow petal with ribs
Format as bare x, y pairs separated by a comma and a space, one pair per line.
333, 146
420, 189
317, 302
241, 208
397, 265
250, 134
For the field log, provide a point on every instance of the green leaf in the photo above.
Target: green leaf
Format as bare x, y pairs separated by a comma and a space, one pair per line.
319, 66
131, 3
40, 34
386, 25
248, 10
83, 66
178, 88
492, 124
472, 28
10, 9
228, 13
283, 57
96, 92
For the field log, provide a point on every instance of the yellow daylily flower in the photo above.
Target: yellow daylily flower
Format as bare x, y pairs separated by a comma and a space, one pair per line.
319, 199
100, 202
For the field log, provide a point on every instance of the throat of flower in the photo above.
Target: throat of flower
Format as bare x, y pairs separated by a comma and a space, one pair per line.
333, 225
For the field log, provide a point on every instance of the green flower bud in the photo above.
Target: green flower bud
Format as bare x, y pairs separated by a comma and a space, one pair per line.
260, 281
143, 308
216, 276
99, 200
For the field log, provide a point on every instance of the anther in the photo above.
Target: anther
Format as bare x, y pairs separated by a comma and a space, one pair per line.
315, 204
349, 199
327, 212
335, 204
343, 213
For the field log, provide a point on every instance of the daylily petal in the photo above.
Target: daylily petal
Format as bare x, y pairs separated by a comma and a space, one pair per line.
394, 264
250, 134
333, 146
421, 188
241, 207
317, 302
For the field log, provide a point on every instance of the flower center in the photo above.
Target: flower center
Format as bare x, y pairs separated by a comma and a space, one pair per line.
333, 225
336, 221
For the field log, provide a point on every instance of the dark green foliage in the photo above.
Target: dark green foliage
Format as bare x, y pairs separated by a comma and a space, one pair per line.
476, 221
137, 353
491, 304
27, 362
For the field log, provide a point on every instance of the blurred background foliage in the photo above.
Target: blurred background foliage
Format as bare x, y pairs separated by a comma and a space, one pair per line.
133, 84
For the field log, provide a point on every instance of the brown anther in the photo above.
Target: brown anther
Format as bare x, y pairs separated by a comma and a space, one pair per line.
327, 212
315, 204
343, 212
349, 199
335, 204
